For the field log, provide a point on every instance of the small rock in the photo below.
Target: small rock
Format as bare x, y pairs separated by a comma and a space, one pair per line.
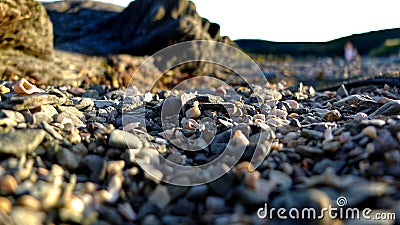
332, 116
123, 139
332, 146
17, 116
351, 100
312, 134
361, 116
309, 151
388, 109
35, 101
85, 103
40, 117
68, 158
197, 193
385, 141
18, 142
160, 196
370, 132
342, 91
29, 201
216, 205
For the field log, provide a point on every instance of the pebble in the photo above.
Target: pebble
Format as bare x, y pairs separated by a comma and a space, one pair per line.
370, 132
29, 201
350, 100
342, 91
388, 109
160, 196
25, 216
332, 116
309, 151
19, 142
123, 139
35, 101
332, 146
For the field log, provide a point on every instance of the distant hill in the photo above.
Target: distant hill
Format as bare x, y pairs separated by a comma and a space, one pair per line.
376, 43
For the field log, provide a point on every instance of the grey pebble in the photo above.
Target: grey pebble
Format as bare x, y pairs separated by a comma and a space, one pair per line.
19, 142
309, 151
388, 109
123, 139
351, 100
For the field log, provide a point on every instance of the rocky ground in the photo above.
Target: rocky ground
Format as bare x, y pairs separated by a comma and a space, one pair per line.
76, 156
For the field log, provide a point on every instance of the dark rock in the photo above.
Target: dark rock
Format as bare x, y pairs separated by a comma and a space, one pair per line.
385, 141
148, 26
309, 151
25, 26
390, 108
351, 100
342, 91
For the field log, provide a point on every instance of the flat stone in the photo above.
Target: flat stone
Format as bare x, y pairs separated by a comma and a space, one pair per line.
105, 103
17, 116
160, 196
123, 139
35, 101
85, 103
19, 142
388, 109
26, 216
351, 100
68, 158
39, 117
309, 151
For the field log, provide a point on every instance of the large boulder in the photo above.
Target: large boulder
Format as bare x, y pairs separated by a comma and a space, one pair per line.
147, 26
25, 26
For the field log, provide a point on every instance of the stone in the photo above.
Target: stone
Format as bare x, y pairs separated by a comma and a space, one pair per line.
26, 216
123, 139
39, 117
342, 91
17, 116
331, 146
309, 151
35, 101
19, 142
25, 26
385, 141
160, 196
370, 132
332, 116
68, 159
351, 100
388, 109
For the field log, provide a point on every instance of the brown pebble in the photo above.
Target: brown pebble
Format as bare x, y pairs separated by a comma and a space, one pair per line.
251, 179
332, 116
8, 184
370, 132
29, 201
5, 205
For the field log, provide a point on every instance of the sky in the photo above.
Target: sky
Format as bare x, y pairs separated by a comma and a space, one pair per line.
296, 20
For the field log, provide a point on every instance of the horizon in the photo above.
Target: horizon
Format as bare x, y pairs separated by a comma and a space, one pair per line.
305, 21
